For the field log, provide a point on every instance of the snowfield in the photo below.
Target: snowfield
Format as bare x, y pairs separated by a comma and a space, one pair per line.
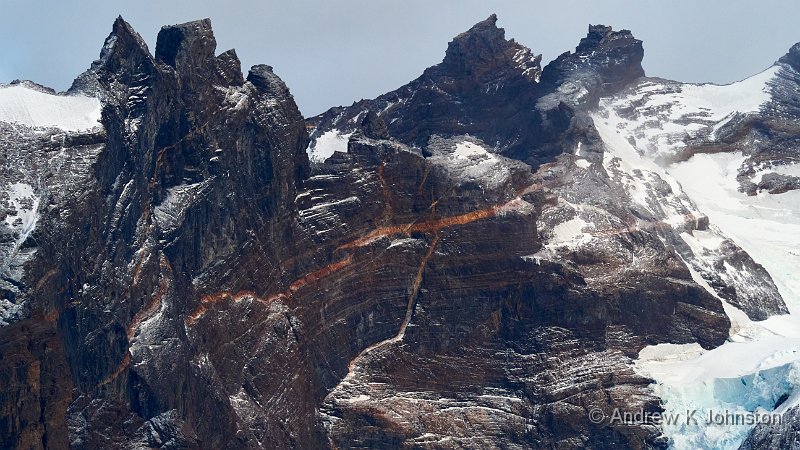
22, 105
767, 226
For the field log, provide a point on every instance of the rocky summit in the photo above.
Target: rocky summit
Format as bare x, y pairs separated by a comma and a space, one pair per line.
495, 255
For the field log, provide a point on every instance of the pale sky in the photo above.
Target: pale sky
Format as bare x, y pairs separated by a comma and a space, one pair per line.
336, 52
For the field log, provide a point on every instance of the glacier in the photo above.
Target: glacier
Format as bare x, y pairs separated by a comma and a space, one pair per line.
758, 369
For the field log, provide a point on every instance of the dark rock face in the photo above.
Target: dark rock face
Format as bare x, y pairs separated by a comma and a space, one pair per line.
785, 435
486, 86
373, 126
205, 286
185, 46
793, 57
36, 388
604, 63
474, 365
194, 164
475, 318
494, 89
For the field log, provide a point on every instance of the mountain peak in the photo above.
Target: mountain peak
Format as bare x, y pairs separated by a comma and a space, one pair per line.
793, 57
601, 36
488, 25
122, 41
482, 41
124, 53
483, 51
604, 62
190, 42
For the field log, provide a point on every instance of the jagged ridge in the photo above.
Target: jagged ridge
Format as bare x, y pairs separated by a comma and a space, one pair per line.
476, 269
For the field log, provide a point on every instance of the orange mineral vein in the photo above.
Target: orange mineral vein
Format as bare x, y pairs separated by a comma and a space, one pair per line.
431, 226
428, 226
207, 301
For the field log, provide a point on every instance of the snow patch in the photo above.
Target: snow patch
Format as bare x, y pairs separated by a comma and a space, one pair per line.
328, 205
569, 231
24, 106
358, 399
475, 162
327, 144
467, 150
468, 160
406, 243
582, 163
702, 240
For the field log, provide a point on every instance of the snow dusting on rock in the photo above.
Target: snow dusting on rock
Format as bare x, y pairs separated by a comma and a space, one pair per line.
658, 116
468, 160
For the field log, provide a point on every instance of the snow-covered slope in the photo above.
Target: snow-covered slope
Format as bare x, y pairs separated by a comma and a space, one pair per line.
650, 131
22, 105
766, 225
660, 116
660, 203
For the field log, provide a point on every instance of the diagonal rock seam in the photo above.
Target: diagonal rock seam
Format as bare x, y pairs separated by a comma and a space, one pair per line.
410, 308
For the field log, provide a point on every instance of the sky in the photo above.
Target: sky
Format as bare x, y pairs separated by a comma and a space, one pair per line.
336, 52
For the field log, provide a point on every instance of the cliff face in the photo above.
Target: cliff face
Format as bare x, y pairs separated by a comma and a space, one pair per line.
485, 313
476, 269
192, 164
